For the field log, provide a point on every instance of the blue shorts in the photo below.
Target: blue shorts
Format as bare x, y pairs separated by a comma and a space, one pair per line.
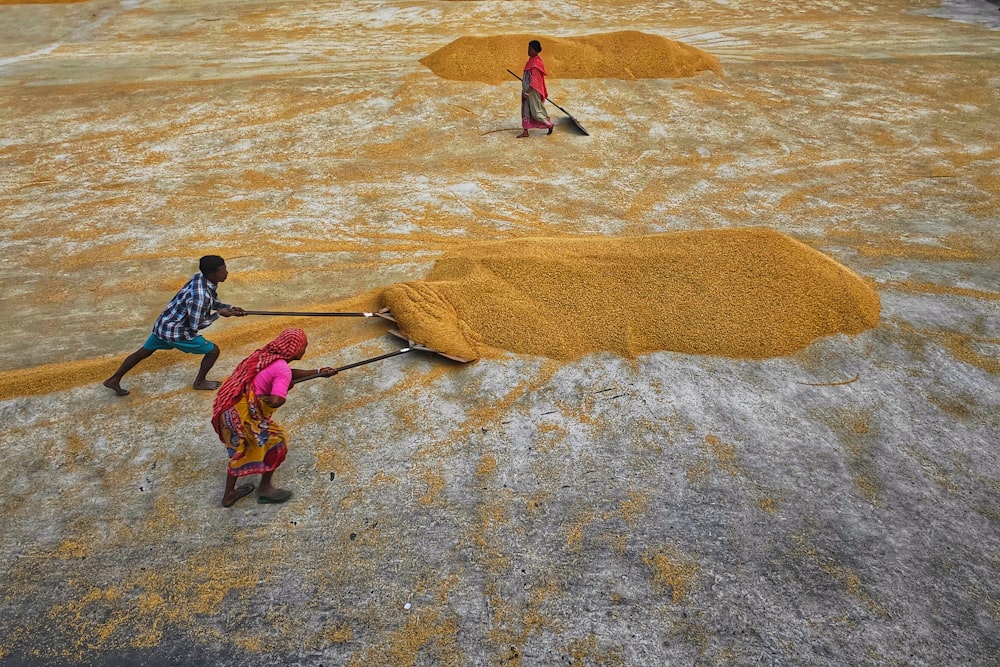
197, 345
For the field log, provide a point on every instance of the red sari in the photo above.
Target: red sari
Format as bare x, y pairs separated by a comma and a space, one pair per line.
533, 113
534, 70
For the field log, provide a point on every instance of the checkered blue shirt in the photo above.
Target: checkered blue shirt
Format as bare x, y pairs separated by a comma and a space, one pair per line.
189, 311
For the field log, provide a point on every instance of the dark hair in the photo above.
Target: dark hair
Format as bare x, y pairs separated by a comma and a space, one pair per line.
210, 264
536, 45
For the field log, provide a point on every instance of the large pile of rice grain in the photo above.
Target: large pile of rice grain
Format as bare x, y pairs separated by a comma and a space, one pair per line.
746, 293
618, 55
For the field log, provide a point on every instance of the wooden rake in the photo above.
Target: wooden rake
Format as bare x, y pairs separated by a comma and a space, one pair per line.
384, 314
411, 347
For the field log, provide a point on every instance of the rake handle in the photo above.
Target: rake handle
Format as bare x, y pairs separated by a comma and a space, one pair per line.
278, 312
358, 363
546, 99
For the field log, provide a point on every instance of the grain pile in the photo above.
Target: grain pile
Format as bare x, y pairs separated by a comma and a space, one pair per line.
747, 293
618, 55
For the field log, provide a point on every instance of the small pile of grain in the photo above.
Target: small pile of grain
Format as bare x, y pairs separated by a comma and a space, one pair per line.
618, 55
749, 293
428, 316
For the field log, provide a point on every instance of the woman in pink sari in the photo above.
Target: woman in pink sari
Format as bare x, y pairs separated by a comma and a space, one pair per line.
534, 93
242, 415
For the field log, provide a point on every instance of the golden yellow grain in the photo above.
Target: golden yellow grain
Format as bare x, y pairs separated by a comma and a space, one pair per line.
750, 293
620, 55
724, 454
673, 571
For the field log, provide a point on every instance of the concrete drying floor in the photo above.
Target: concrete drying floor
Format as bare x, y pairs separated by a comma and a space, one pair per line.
841, 506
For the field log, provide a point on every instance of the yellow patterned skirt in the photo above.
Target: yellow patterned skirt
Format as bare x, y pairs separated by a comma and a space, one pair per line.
254, 442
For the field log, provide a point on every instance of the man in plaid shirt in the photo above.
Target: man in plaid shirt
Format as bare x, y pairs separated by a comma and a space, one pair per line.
177, 328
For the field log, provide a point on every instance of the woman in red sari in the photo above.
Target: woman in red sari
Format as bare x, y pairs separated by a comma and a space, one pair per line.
533, 92
242, 413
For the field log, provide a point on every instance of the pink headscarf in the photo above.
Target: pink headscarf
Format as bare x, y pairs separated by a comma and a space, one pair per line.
289, 344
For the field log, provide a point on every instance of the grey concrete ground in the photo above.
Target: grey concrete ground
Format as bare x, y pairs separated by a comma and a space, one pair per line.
837, 507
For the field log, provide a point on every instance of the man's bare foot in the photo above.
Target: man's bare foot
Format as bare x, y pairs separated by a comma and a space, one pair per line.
116, 387
207, 385
523, 135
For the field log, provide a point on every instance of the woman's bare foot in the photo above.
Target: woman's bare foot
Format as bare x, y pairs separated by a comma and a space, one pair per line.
207, 385
231, 497
113, 384
523, 135
269, 493
274, 496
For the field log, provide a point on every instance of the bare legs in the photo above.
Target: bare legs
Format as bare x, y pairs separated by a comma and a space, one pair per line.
524, 133
114, 382
132, 360
233, 492
267, 493
206, 365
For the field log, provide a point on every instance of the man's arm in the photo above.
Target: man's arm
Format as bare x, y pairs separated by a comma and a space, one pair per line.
199, 308
227, 310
